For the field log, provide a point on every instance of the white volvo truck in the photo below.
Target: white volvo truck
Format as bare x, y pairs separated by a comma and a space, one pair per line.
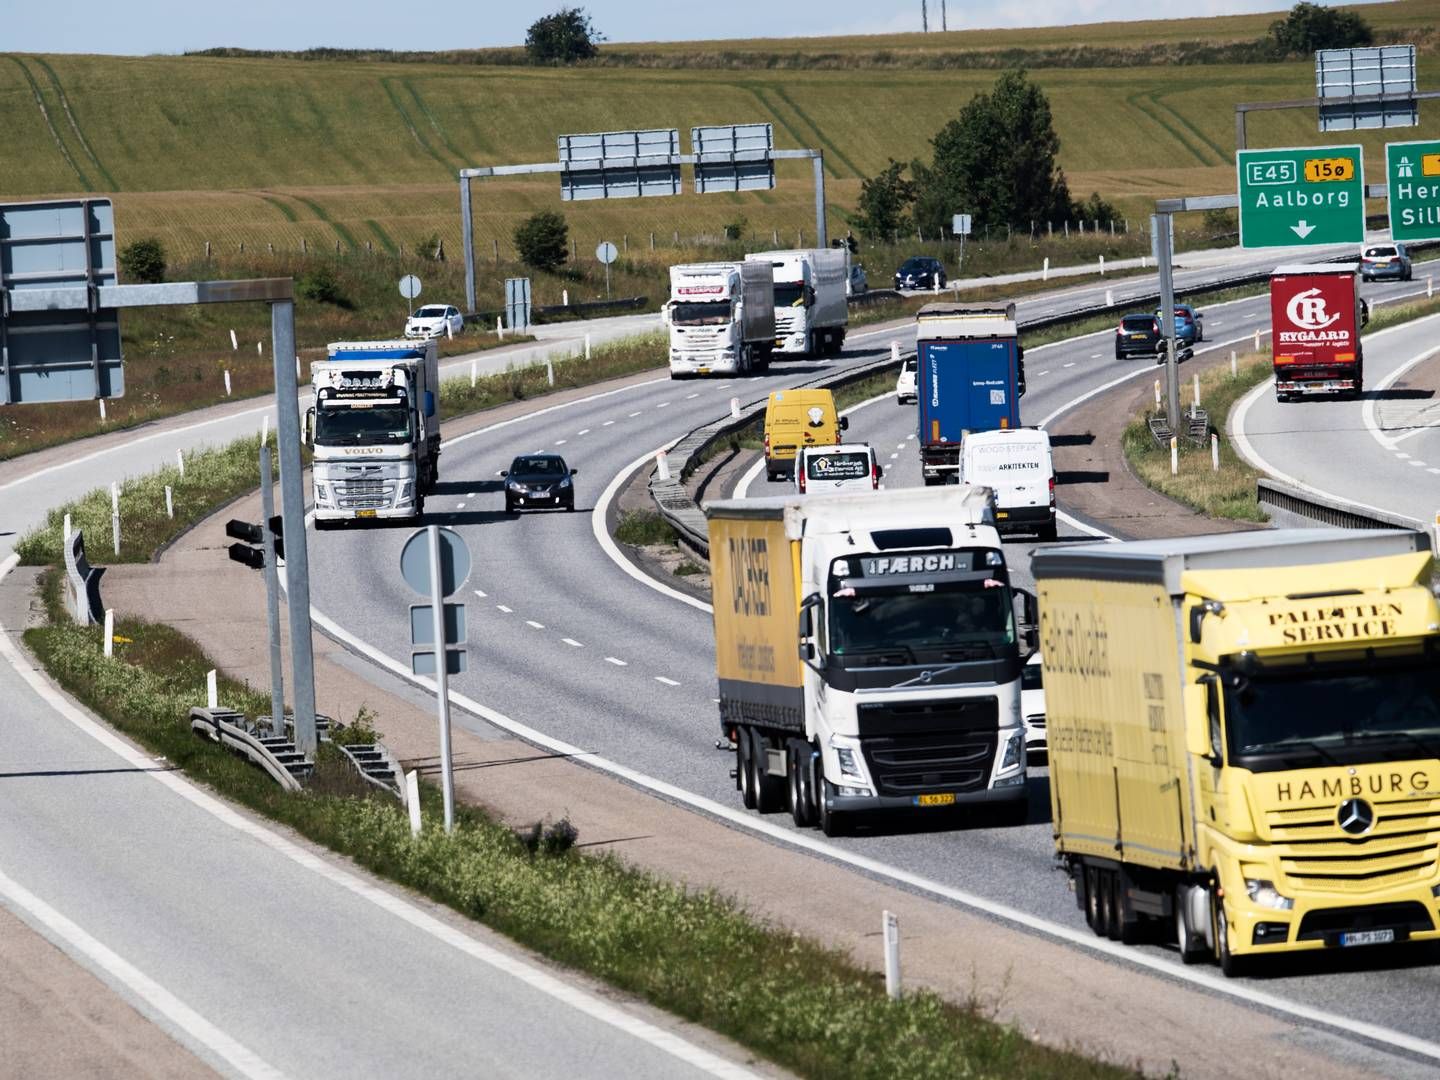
721, 318
375, 429
869, 650
811, 285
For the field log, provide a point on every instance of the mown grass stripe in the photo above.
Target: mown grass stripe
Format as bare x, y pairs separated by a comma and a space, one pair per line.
387, 85
409, 85
320, 212
1144, 100
110, 183
824, 139
381, 235
54, 132
286, 210
1224, 156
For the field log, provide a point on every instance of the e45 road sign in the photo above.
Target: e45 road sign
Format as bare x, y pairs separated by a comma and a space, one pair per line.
1301, 196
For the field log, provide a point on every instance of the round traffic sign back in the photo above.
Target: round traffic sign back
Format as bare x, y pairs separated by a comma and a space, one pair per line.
607, 252
454, 561
409, 286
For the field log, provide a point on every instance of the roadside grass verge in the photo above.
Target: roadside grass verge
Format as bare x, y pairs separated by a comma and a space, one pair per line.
216, 476
697, 953
638, 528
1228, 493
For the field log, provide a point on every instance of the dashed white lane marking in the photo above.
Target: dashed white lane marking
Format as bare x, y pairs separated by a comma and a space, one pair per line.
900, 446
1400, 455
480, 594
1044, 373
506, 610
911, 436
1070, 364
663, 405
689, 396
561, 442
894, 457
1094, 356
607, 423
723, 386
633, 414
572, 642
617, 662
536, 625
667, 682
585, 432
470, 494
1433, 471
1421, 464
460, 506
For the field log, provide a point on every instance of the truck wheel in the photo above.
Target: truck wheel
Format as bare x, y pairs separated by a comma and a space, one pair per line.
1094, 915
831, 823
744, 769
797, 786
1110, 904
769, 790
1192, 945
1231, 966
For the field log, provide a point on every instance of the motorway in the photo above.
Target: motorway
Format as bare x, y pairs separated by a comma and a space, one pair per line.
565, 642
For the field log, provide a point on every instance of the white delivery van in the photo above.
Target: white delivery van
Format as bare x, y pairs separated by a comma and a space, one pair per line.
847, 467
1016, 464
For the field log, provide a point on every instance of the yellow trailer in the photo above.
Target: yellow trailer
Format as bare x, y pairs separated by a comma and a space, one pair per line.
1243, 736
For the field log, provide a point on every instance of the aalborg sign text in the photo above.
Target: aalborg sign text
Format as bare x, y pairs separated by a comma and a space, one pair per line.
1304, 195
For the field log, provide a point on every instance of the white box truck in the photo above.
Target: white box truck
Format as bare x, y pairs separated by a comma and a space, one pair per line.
721, 318
811, 285
869, 651
375, 429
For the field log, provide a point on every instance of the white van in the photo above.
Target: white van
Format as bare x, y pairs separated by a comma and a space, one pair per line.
1016, 464
847, 467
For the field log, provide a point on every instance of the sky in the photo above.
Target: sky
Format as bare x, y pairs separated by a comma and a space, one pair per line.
140, 27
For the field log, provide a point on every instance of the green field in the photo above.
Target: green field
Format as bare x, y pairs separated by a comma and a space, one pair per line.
270, 152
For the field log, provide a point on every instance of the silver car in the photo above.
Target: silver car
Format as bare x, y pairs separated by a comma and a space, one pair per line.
1385, 261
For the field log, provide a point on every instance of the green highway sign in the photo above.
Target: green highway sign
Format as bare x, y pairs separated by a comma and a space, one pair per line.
1412, 171
1308, 195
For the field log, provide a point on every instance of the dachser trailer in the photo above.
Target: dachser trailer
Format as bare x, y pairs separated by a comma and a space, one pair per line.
1243, 736
869, 652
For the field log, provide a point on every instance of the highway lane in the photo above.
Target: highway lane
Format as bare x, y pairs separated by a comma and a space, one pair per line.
563, 640
1388, 440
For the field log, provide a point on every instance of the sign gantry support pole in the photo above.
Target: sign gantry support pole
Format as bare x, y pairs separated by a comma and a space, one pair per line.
272, 593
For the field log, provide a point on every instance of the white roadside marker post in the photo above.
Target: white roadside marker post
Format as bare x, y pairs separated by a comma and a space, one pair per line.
115, 514
1214, 452
1234, 367
212, 690
587, 346
1102, 265
1109, 297
102, 410
234, 342
890, 925
1174, 456
1257, 340
1045, 269
474, 372
227, 382
662, 465
109, 632
735, 407
894, 352
412, 800
180, 462
1157, 393
169, 502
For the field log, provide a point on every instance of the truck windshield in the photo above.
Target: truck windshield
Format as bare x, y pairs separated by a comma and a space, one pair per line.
700, 313
952, 618
1334, 713
351, 425
789, 294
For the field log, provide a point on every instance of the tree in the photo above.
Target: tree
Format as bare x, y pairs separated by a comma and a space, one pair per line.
1309, 27
995, 161
563, 38
142, 262
884, 206
543, 240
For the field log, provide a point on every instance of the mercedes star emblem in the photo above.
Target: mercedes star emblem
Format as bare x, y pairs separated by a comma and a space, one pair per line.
1356, 817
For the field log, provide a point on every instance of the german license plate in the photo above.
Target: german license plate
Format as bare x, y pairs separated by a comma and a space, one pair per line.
1368, 937
944, 799
364, 513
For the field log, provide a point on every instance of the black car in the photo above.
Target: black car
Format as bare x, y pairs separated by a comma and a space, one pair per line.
539, 480
1137, 335
920, 272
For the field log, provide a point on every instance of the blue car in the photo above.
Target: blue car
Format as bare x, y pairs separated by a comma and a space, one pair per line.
1189, 325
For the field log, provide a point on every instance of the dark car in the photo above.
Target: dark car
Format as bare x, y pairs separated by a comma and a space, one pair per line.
1385, 261
539, 480
1137, 335
920, 272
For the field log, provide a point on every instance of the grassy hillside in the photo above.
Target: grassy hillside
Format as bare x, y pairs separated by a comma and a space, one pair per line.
268, 151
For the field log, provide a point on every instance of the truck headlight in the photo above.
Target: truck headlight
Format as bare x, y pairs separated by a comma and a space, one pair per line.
407, 492
322, 493
848, 765
1265, 894
1014, 751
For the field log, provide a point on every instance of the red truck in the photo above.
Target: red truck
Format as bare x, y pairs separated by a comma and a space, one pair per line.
1316, 314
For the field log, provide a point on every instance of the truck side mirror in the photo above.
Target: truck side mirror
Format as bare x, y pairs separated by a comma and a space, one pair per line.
307, 434
1202, 719
808, 652
1364, 312
1027, 615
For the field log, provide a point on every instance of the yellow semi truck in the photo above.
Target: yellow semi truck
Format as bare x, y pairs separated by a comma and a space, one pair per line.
1244, 733
869, 648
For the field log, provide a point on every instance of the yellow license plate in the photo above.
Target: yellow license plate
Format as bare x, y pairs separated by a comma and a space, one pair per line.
364, 513
1002, 513
946, 799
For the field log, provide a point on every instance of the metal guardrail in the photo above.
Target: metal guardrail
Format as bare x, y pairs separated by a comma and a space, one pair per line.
376, 765
83, 581
276, 755
587, 307
1323, 510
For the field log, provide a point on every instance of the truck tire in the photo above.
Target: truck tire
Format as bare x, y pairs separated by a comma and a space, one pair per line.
797, 785
831, 823
1231, 966
769, 790
1191, 944
1110, 904
1094, 913
744, 769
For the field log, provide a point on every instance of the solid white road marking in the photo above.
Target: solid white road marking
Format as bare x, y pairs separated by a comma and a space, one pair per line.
572, 642
616, 661
667, 682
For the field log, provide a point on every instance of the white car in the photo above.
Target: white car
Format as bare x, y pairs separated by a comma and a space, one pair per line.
905, 391
1032, 707
434, 320
847, 467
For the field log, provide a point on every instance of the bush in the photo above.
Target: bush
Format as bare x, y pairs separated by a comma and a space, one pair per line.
143, 262
543, 240
735, 230
429, 247
322, 285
